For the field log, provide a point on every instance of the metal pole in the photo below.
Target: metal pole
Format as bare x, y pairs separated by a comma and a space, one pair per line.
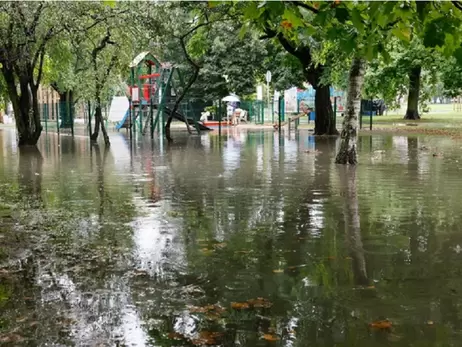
57, 117
272, 111
130, 104
89, 117
71, 115
45, 116
219, 118
370, 120
335, 110
268, 95
279, 113
151, 105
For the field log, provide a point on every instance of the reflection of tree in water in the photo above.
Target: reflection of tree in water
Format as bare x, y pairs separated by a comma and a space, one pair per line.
352, 223
101, 164
271, 233
30, 172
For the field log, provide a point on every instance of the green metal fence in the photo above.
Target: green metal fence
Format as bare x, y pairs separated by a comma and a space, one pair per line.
57, 116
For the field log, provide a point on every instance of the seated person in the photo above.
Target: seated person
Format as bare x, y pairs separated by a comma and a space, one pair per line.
204, 116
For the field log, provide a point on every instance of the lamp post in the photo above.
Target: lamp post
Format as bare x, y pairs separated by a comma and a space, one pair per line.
268, 80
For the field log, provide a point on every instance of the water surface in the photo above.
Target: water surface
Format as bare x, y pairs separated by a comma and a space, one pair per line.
252, 239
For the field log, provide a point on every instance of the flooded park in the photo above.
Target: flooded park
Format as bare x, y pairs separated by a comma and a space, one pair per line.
254, 238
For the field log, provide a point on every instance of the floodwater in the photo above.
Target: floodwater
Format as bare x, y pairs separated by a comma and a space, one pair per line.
248, 240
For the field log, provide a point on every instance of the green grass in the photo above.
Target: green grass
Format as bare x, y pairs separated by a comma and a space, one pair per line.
454, 119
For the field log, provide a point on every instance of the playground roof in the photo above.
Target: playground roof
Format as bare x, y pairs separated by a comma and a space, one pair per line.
145, 57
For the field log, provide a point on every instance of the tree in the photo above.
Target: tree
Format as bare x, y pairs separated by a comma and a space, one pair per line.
239, 58
347, 153
97, 50
396, 77
25, 32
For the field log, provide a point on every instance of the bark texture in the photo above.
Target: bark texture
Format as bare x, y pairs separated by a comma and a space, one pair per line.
347, 153
412, 111
325, 120
25, 104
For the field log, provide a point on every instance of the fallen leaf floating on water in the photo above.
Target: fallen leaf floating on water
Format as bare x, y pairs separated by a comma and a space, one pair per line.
206, 338
206, 309
381, 325
11, 338
430, 322
239, 305
278, 271
260, 303
242, 252
220, 245
270, 337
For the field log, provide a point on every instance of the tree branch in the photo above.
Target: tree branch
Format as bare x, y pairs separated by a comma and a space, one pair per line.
40, 68
187, 56
457, 4
305, 6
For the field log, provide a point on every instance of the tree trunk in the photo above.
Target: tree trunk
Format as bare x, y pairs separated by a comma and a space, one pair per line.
177, 103
25, 106
99, 123
324, 123
347, 153
412, 111
98, 116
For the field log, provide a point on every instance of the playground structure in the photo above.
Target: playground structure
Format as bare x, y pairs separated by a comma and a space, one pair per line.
151, 97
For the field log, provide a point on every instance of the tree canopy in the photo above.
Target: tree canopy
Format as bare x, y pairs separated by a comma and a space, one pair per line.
83, 49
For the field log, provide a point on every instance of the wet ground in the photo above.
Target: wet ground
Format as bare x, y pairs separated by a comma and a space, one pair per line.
247, 240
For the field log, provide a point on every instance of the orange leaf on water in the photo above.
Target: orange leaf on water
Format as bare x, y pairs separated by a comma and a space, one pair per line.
270, 337
381, 324
239, 305
260, 303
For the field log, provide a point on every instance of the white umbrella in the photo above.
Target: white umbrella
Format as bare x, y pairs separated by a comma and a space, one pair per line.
231, 98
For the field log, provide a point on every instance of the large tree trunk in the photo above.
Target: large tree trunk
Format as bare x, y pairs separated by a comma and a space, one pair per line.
25, 106
324, 123
412, 111
347, 153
